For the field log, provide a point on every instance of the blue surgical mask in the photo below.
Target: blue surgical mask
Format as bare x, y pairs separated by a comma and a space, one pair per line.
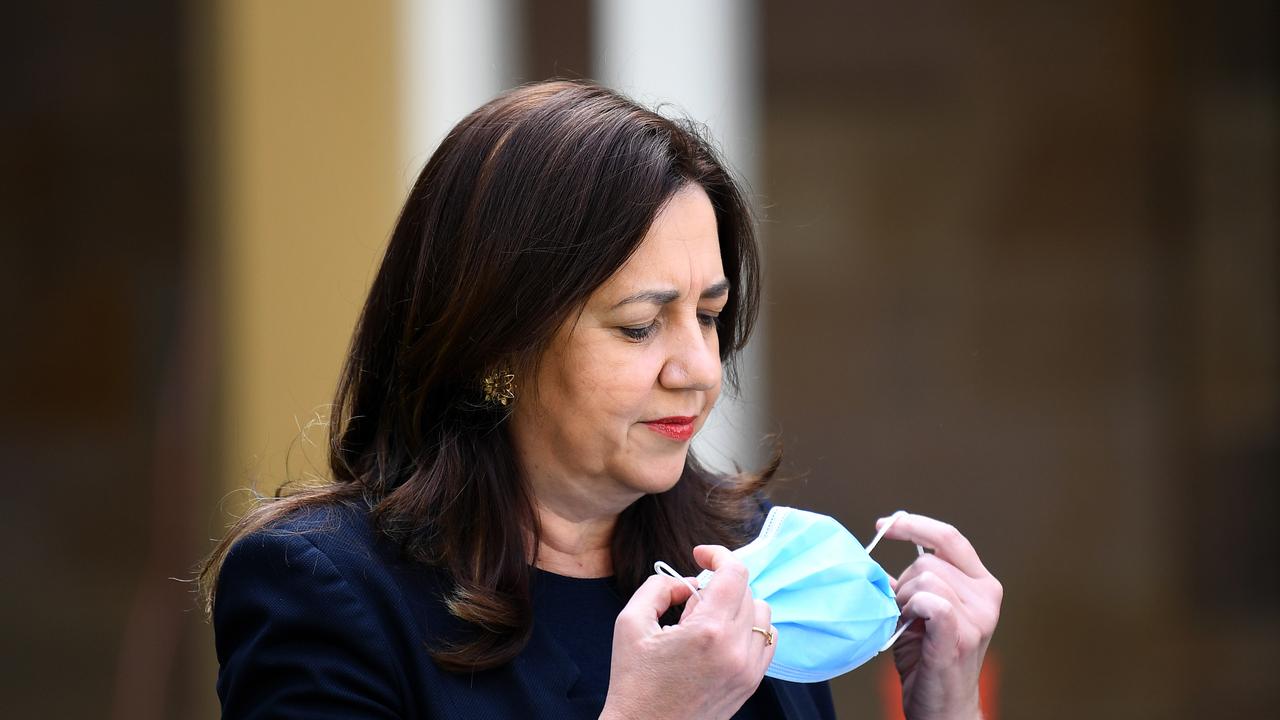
831, 603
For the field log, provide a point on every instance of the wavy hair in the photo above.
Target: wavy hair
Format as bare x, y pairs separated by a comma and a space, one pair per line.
529, 204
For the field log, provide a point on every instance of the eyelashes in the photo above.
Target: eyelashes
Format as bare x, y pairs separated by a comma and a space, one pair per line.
639, 333
644, 332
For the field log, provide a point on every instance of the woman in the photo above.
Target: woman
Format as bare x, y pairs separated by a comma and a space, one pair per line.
510, 455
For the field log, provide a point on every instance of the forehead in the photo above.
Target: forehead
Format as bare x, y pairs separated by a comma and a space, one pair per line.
681, 250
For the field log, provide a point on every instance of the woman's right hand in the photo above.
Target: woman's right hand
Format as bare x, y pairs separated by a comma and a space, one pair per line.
704, 667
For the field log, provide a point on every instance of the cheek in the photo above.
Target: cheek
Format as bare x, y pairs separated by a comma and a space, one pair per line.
609, 382
616, 383
626, 392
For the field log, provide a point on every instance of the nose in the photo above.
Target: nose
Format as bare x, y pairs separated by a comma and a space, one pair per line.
693, 362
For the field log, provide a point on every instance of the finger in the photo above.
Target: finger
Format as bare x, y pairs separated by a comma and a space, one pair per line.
947, 637
656, 595
977, 600
763, 615
761, 648
944, 539
965, 587
928, 582
938, 614
692, 602
747, 605
723, 595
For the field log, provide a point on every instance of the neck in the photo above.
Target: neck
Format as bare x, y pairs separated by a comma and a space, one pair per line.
576, 519
575, 546
576, 516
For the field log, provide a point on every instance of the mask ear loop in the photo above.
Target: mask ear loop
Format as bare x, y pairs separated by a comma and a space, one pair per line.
872, 546
879, 535
661, 568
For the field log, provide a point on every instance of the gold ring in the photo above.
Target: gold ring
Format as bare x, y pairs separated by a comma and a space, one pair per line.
770, 635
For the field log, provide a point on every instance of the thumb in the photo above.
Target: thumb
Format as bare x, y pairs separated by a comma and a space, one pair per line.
711, 557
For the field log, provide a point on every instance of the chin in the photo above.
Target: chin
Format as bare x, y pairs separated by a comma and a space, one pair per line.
660, 479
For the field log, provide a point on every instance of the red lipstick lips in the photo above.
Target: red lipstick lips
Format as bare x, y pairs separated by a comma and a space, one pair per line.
677, 428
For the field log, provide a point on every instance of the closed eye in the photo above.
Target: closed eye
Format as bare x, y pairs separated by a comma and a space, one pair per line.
639, 333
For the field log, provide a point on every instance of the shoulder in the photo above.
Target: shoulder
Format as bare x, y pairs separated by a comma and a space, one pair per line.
322, 558
338, 535
307, 607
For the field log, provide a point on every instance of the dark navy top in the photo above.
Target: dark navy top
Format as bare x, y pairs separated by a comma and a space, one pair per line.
321, 617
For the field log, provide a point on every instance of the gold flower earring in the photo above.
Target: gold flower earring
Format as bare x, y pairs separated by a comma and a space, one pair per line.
499, 387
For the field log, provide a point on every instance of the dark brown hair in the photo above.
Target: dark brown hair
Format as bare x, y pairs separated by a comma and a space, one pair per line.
530, 203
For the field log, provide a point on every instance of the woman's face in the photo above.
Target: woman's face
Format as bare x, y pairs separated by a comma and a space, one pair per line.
644, 350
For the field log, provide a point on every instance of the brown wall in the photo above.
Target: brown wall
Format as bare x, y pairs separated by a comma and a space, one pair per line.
1026, 259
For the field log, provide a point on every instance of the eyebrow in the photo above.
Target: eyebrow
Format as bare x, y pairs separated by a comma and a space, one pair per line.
664, 297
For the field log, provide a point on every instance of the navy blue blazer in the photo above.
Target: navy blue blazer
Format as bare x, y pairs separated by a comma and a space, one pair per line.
321, 617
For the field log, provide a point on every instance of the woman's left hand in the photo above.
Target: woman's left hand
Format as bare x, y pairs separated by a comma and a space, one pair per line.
953, 604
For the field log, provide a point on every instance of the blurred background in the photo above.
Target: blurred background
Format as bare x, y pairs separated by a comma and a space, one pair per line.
1022, 274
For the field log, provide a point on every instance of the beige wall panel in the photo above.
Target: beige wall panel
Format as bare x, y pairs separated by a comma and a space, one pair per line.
310, 184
